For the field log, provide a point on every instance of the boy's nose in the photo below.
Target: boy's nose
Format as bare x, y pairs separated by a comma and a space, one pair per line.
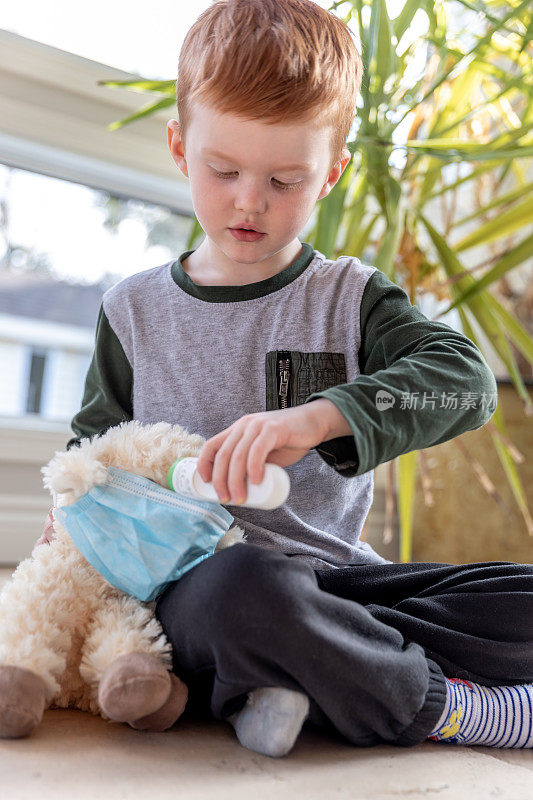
250, 202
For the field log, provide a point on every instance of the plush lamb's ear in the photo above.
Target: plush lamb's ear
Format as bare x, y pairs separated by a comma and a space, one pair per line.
72, 474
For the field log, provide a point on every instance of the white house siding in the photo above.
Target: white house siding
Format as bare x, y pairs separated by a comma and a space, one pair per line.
13, 359
63, 384
68, 352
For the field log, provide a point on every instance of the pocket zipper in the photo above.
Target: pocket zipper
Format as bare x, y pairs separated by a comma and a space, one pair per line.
284, 377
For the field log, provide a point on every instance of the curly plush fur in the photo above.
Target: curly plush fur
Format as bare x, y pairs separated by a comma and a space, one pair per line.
59, 617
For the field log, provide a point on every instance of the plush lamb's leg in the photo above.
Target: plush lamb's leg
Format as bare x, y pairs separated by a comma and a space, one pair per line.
36, 617
126, 660
21, 702
170, 711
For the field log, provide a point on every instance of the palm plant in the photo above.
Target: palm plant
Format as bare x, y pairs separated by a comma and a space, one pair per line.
427, 137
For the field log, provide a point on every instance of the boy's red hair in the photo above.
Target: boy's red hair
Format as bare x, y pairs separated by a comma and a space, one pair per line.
279, 61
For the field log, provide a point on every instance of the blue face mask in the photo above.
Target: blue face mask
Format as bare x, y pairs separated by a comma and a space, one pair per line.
140, 536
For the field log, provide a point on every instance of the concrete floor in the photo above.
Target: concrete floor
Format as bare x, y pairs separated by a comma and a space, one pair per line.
76, 754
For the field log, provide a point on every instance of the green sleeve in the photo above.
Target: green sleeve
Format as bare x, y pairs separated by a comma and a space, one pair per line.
420, 363
107, 397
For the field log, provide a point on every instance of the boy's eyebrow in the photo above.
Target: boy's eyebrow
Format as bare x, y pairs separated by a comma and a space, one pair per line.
304, 165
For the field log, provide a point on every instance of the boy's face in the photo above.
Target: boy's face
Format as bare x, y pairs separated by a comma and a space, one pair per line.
272, 177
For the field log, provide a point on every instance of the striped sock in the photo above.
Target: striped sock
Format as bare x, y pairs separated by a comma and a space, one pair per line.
494, 716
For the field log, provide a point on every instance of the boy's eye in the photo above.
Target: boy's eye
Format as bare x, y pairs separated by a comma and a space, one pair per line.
279, 184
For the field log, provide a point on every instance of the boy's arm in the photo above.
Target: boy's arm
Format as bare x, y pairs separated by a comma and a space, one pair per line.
107, 397
405, 355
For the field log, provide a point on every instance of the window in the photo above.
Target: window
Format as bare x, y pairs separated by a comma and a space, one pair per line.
35, 383
61, 246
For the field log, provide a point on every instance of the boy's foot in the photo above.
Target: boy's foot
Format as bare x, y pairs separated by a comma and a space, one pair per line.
493, 716
271, 719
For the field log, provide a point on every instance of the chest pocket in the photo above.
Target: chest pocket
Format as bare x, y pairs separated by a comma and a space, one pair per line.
291, 376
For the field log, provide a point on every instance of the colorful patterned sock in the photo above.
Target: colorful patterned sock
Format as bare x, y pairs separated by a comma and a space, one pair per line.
493, 716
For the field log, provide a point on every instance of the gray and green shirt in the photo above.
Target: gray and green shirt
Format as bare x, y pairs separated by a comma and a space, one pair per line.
168, 349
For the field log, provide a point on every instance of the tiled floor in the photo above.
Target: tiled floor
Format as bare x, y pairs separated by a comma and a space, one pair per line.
72, 754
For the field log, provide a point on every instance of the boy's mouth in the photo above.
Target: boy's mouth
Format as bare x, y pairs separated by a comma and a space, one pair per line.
246, 228
246, 234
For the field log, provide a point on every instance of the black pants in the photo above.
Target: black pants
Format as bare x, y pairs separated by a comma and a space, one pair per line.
369, 645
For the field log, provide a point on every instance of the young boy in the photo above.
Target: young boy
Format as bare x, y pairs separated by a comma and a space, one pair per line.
278, 354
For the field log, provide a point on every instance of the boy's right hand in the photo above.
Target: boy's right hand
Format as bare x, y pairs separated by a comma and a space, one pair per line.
48, 532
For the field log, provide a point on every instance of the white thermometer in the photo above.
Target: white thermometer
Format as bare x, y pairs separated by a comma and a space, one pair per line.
183, 477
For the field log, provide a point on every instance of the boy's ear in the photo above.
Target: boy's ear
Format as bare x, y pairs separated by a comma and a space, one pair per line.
336, 171
175, 145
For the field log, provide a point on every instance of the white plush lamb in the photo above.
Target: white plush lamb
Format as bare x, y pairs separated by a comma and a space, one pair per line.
68, 638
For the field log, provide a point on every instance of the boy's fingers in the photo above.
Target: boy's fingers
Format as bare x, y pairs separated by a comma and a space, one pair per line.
219, 477
223, 461
259, 452
207, 457
204, 466
248, 460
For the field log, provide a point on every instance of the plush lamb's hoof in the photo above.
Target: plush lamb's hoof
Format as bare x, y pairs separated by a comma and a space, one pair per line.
170, 711
133, 686
22, 701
